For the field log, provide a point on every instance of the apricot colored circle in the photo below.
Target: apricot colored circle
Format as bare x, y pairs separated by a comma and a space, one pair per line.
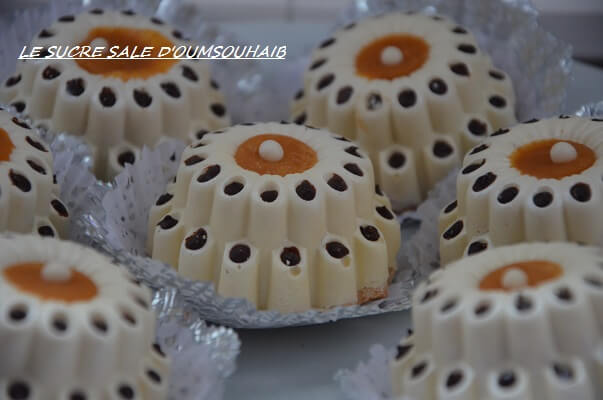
369, 61
27, 277
297, 156
123, 68
536, 271
534, 159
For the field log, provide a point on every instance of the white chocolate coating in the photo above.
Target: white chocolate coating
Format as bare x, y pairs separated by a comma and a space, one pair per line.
575, 211
204, 223
539, 343
34, 205
102, 346
383, 114
197, 106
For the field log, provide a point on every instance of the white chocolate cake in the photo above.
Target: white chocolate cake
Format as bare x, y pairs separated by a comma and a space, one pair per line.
28, 191
117, 105
517, 322
537, 181
286, 216
414, 91
73, 326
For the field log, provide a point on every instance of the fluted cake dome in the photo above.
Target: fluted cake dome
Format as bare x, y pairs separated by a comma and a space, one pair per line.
117, 105
516, 322
414, 91
284, 215
74, 326
28, 191
537, 181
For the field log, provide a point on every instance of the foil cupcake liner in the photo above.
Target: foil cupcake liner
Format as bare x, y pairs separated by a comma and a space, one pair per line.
422, 250
116, 223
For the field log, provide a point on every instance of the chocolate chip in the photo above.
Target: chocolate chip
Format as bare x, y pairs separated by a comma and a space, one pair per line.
156, 21
442, 149
142, 98
467, 48
301, 118
19, 106
100, 325
374, 101
189, 74
337, 183
454, 230
218, 109
22, 124
233, 188
75, 87
154, 376
43, 54
596, 282
196, 240
438, 86
349, 26
542, 199
581, 192
501, 131
479, 148
299, 94
192, 160
13, 80
563, 371
454, 378
19, 181
477, 127
17, 314
45, 231
171, 89
128, 12
496, 75
418, 369
477, 247
396, 160
523, 303
353, 169
50, 73
200, 133
317, 64
158, 350
269, 195
385, 212
407, 98
126, 392
127, 157
429, 294
36, 167
449, 305
35, 144
597, 119
370, 233
60, 325
460, 69
67, 18
378, 190
562, 116
167, 222
214, 84
59, 208
483, 181
305, 190
506, 379
290, 256
473, 167
209, 173
482, 309
18, 390
107, 97
327, 43
530, 121
564, 294
353, 150
173, 157
337, 249
325, 81
460, 30
450, 207
344, 94
497, 101
96, 11
177, 34
239, 253
507, 195
77, 395
403, 350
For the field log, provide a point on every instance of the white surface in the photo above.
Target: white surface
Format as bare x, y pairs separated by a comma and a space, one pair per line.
299, 363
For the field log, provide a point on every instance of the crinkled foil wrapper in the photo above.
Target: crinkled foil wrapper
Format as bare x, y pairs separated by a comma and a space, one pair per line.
422, 250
